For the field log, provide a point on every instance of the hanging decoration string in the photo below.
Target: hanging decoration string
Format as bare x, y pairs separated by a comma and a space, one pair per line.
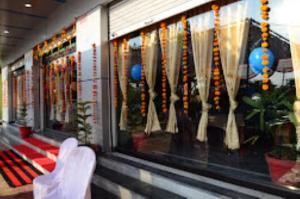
63, 36
265, 42
24, 89
94, 90
79, 77
163, 27
143, 93
115, 43
73, 80
125, 74
216, 58
185, 65
62, 84
27, 86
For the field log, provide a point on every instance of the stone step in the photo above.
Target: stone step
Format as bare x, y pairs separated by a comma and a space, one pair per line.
11, 137
180, 182
126, 187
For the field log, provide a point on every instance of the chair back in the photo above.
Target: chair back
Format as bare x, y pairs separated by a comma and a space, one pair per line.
78, 172
66, 147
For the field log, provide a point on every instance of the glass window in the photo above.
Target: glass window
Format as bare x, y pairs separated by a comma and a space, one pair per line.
250, 133
18, 94
60, 93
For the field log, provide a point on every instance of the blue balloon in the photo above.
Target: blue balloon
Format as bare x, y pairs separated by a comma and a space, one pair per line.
255, 60
136, 72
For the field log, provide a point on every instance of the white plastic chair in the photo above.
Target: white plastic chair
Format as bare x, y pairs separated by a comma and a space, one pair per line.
77, 176
45, 183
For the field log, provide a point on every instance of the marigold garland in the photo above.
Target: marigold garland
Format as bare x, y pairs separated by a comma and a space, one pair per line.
216, 58
79, 77
164, 64
73, 80
115, 43
27, 86
62, 82
24, 93
143, 93
265, 44
185, 65
94, 90
125, 78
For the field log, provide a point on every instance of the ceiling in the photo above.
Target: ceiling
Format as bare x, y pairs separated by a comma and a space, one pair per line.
21, 22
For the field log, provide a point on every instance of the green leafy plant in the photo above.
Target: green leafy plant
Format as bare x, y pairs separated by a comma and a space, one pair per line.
23, 114
84, 129
271, 109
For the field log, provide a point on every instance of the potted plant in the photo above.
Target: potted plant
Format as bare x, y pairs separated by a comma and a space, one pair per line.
273, 111
135, 123
23, 129
84, 130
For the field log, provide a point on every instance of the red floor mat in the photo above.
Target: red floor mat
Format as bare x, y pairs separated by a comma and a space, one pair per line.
15, 170
42, 160
43, 145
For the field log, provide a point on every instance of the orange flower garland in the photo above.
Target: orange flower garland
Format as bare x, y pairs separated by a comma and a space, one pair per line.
163, 64
94, 90
24, 93
265, 37
115, 43
79, 77
27, 86
216, 58
125, 74
143, 94
185, 66
72, 69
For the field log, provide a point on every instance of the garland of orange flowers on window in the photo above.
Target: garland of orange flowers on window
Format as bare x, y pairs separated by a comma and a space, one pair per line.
143, 94
79, 77
72, 69
94, 90
216, 58
62, 81
115, 43
185, 66
125, 76
24, 88
164, 65
27, 86
265, 44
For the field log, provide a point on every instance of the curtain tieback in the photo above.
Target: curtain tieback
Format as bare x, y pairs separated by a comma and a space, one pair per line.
174, 98
205, 107
201, 84
233, 105
297, 106
124, 106
152, 94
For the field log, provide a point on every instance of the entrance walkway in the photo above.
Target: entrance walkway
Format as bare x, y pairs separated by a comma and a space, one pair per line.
6, 192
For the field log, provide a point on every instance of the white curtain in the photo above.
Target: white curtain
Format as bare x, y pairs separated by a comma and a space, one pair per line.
67, 88
58, 91
121, 65
292, 177
202, 40
173, 53
150, 60
51, 91
294, 36
233, 38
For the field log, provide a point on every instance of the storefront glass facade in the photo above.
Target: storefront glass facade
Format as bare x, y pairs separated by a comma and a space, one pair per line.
18, 94
60, 90
168, 77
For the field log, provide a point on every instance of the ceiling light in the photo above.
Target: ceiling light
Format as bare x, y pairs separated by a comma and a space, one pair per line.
28, 5
6, 32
